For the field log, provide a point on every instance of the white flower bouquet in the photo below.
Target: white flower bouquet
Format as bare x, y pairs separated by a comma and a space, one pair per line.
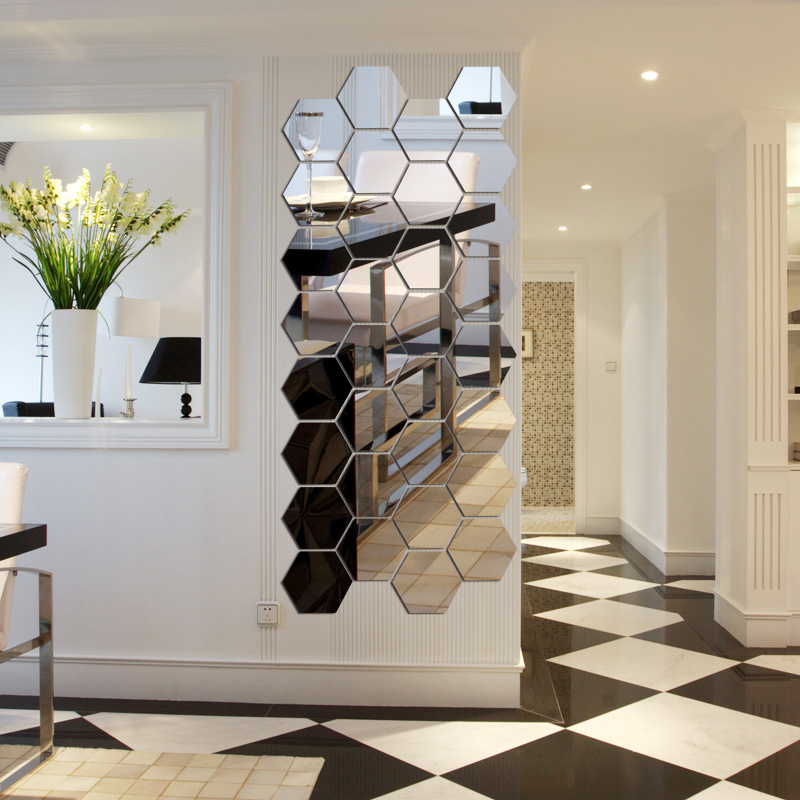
82, 242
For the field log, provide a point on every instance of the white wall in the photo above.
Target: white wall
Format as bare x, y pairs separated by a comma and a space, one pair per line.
160, 556
668, 387
603, 388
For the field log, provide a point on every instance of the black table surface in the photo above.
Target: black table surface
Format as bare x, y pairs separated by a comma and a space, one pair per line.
324, 250
18, 539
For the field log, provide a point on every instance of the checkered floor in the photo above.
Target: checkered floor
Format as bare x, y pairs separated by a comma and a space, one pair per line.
630, 691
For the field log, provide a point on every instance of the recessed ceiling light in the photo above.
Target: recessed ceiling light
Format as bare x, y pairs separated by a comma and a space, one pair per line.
650, 75
586, 187
562, 227
85, 128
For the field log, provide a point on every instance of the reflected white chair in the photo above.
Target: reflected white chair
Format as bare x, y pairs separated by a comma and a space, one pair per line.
13, 479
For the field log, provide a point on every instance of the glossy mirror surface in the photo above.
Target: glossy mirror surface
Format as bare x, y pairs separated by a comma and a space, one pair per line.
481, 97
401, 475
336, 129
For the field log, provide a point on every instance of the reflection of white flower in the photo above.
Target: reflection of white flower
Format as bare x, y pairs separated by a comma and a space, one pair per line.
81, 242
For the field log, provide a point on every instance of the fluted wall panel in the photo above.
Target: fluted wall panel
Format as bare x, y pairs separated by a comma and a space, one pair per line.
483, 624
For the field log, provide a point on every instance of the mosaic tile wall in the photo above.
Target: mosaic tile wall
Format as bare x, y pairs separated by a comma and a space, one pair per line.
548, 418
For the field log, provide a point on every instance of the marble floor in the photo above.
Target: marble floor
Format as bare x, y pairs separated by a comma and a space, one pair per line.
630, 691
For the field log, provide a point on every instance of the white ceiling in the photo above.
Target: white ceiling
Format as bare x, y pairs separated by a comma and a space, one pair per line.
587, 115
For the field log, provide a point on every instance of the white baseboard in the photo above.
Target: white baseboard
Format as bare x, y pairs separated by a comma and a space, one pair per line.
670, 562
463, 686
602, 526
773, 629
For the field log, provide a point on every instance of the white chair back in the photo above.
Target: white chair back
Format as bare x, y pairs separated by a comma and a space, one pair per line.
13, 478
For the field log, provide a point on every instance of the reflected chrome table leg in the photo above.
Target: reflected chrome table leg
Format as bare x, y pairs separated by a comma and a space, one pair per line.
46, 664
447, 321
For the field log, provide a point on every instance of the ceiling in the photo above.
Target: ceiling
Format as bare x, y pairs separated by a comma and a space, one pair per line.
587, 115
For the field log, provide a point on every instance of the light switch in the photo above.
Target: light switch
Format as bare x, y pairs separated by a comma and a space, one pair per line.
611, 366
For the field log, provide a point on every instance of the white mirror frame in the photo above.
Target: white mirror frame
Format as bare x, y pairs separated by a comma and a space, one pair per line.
214, 100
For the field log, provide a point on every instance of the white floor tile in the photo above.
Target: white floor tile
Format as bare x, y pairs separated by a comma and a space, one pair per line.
730, 791
433, 789
656, 666
576, 560
16, 719
440, 747
192, 734
590, 584
610, 616
781, 663
694, 585
708, 739
565, 542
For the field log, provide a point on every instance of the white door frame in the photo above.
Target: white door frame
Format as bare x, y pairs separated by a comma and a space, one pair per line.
572, 271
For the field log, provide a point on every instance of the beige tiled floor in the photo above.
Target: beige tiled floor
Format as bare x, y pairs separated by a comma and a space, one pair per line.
548, 519
89, 774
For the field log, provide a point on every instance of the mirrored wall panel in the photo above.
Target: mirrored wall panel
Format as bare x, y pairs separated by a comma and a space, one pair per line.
401, 357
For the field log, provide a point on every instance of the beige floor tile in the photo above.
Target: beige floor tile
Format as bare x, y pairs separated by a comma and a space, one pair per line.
174, 759
58, 767
113, 785
220, 791
132, 771
100, 796
237, 762
230, 775
196, 774
257, 792
92, 769
274, 762
260, 777
59, 794
302, 764
140, 757
76, 783
299, 779
292, 793
161, 773
107, 756
206, 760
148, 787
184, 788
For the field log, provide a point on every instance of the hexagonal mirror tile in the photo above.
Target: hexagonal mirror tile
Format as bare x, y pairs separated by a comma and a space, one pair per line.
373, 483
427, 582
426, 452
375, 162
330, 194
334, 129
371, 355
371, 240
427, 517
296, 265
430, 265
316, 453
317, 582
317, 517
317, 388
424, 184
427, 388
316, 323
378, 546
481, 289
372, 97
481, 485
494, 151
475, 244
428, 130
481, 97
481, 355
483, 421
421, 324
371, 419
482, 550
372, 292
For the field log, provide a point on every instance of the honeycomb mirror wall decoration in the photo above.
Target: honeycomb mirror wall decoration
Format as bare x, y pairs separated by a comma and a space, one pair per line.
401, 289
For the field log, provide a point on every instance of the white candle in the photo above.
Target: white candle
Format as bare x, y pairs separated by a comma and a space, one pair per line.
128, 390
97, 392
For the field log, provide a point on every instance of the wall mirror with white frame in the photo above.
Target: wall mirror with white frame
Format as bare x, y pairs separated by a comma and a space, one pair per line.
171, 140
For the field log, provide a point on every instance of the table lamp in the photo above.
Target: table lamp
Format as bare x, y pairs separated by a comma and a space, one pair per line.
176, 360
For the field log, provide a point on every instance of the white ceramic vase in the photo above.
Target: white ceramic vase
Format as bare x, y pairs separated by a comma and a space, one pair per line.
73, 338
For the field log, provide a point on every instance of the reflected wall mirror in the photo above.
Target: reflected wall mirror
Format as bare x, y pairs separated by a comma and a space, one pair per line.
397, 260
173, 141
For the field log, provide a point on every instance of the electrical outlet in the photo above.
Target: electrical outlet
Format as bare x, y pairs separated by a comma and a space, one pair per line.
267, 613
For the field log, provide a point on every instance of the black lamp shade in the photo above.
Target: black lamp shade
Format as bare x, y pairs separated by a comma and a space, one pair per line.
176, 359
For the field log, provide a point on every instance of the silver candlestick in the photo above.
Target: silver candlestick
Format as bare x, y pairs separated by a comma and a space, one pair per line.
128, 412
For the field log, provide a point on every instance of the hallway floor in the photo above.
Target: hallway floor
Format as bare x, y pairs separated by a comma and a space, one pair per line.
630, 691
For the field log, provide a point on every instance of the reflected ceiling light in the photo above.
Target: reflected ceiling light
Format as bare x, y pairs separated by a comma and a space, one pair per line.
562, 227
586, 186
650, 75
85, 128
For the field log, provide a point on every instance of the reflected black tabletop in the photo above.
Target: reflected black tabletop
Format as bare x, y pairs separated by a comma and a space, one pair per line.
326, 250
18, 539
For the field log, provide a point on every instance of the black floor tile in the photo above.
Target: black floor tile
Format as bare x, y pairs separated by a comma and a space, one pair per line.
623, 571
558, 638
681, 634
753, 690
352, 771
778, 775
541, 599
742, 653
568, 766
71, 733
536, 691
538, 572
583, 695
328, 713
